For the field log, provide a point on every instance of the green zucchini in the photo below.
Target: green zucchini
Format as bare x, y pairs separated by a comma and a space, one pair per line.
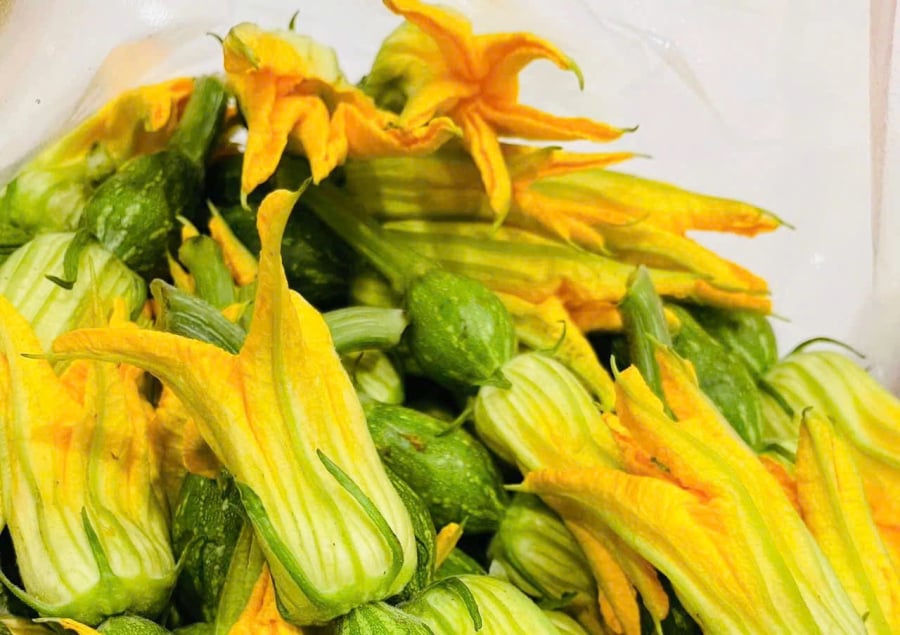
205, 529
460, 334
131, 625
458, 562
723, 377
749, 336
423, 528
133, 212
448, 468
379, 618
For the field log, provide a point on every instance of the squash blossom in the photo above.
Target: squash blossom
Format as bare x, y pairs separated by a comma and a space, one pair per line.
833, 504
865, 415
79, 491
570, 196
433, 65
548, 420
49, 193
478, 604
695, 501
293, 94
534, 550
519, 262
284, 420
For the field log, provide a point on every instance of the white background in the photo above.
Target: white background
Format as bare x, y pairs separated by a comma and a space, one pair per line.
783, 103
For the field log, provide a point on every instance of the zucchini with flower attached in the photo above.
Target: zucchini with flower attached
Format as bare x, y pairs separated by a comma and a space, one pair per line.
80, 498
460, 334
747, 335
329, 487
133, 212
447, 467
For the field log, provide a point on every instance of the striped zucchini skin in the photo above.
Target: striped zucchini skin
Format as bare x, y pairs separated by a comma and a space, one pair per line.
133, 212
423, 528
460, 333
206, 523
452, 472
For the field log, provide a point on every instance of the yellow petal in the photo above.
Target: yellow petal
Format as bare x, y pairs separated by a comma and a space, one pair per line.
517, 120
450, 31
240, 262
445, 542
482, 143
369, 133
832, 499
506, 54
260, 615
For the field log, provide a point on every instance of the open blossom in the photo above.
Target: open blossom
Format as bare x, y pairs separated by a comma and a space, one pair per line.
293, 95
442, 69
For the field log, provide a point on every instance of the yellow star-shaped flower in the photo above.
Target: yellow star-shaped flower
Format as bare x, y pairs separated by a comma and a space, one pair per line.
443, 69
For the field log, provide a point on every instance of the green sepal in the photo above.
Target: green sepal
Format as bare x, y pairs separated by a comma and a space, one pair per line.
71, 259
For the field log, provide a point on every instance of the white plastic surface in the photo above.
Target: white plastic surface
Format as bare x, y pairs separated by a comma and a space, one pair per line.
762, 100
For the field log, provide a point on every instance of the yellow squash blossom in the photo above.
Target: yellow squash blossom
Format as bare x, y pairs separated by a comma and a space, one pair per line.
546, 419
572, 197
292, 91
833, 503
284, 420
50, 191
78, 484
865, 414
698, 505
441, 68
534, 268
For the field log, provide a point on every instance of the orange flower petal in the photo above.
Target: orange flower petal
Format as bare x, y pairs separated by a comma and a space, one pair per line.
482, 143
517, 120
450, 31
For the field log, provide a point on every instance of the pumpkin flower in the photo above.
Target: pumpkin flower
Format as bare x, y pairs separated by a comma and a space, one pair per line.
293, 94
441, 68
49, 193
833, 504
78, 482
534, 268
282, 417
572, 197
696, 502
865, 415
